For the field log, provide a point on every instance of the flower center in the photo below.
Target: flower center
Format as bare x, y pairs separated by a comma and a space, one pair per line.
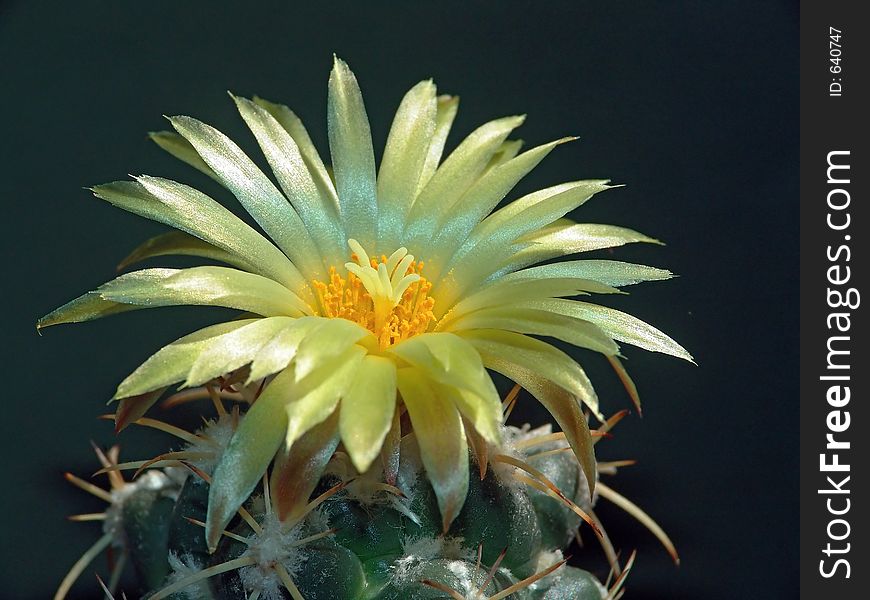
389, 297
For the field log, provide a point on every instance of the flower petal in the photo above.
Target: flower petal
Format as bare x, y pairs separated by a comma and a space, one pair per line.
332, 339
485, 250
540, 322
627, 382
212, 286
503, 292
192, 211
86, 307
296, 473
255, 191
404, 158
280, 350
570, 238
565, 410
132, 408
617, 324
445, 114
441, 437
390, 450
540, 202
483, 196
507, 151
316, 397
609, 272
478, 446
247, 456
367, 409
458, 172
235, 349
456, 371
317, 210
484, 413
353, 158
293, 125
449, 360
181, 149
178, 243
500, 349
172, 363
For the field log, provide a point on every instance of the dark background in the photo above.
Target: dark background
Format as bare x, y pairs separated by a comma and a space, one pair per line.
693, 105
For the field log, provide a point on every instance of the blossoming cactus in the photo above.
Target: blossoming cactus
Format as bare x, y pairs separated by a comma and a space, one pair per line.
364, 453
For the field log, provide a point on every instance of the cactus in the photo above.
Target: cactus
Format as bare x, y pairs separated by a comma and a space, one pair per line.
359, 537
365, 453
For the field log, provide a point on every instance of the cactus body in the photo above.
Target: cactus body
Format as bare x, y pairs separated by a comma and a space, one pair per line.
377, 546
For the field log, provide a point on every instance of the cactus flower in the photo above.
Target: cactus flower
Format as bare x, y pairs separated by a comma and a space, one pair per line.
372, 294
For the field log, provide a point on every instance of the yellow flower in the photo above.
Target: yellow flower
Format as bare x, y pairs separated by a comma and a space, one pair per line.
378, 293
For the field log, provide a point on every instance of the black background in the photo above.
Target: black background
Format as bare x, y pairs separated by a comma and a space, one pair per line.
693, 105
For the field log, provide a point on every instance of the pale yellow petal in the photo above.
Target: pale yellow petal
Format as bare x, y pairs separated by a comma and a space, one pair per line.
483, 412
499, 348
316, 397
443, 448
582, 334
249, 453
617, 324
404, 157
447, 359
367, 409
332, 338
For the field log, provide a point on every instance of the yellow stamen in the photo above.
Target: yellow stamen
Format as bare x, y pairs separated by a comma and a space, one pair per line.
388, 296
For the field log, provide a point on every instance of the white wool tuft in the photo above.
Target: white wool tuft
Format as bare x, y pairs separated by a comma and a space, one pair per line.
273, 546
464, 573
417, 551
422, 548
257, 504
545, 560
214, 437
265, 580
182, 568
318, 519
453, 547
